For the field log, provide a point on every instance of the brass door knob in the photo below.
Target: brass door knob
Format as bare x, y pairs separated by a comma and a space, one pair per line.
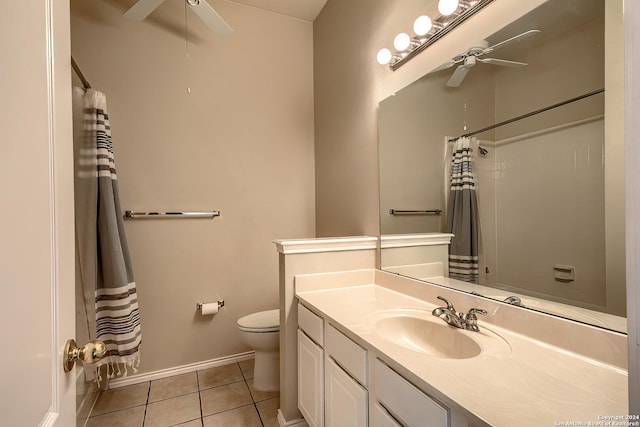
91, 352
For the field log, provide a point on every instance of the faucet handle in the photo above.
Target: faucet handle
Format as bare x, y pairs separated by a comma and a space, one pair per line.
449, 305
471, 320
474, 311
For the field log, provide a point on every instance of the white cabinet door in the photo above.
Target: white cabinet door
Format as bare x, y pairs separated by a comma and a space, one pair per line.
345, 399
381, 418
310, 381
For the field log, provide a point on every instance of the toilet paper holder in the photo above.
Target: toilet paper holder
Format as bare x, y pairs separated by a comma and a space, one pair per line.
200, 304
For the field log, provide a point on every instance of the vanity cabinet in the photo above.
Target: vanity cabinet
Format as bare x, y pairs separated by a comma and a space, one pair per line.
345, 399
332, 375
310, 367
404, 402
381, 418
336, 382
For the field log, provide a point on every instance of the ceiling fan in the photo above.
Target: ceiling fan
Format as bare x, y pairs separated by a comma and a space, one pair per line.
472, 56
143, 8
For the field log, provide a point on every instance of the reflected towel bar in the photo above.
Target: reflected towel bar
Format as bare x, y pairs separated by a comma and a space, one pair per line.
408, 212
137, 214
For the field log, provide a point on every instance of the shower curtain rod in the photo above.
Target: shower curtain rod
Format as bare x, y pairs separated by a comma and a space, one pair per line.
533, 113
75, 67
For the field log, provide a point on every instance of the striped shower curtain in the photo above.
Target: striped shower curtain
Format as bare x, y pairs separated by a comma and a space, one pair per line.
462, 214
116, 303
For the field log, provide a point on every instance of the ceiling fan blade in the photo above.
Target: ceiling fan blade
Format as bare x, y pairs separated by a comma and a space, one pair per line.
141, 9
513, 39
210, 17
458, 75
502, 62
444, 66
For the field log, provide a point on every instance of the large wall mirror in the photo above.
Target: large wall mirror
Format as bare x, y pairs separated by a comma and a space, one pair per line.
549, 184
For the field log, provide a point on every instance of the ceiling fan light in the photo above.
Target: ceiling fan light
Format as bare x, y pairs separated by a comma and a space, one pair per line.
422, 25
447, 7
402, 41
384, 56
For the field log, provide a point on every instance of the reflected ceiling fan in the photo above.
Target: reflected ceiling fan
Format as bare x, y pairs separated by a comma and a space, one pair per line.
143, 8
472, 56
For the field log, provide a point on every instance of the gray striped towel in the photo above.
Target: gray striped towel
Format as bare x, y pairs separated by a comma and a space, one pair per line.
116, 300
462, 214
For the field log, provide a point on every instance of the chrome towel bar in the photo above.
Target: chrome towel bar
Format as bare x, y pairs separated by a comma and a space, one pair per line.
415, 212
138, 214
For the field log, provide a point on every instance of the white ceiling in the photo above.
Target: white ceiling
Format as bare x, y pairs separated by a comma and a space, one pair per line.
306, 10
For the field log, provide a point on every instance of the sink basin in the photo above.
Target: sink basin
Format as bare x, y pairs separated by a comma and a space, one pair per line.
418, 330
427, 336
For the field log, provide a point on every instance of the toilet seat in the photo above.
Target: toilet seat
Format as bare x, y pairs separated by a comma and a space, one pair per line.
260, 322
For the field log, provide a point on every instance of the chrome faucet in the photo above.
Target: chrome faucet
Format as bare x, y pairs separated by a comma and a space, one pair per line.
513, 300
459, 320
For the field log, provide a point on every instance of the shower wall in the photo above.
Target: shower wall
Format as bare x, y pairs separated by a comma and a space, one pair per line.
201, 122
577, 220
541, 199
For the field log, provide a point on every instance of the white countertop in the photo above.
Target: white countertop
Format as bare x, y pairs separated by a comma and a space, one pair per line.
525, 383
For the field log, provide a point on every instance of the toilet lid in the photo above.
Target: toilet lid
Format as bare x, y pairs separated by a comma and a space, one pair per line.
262, 321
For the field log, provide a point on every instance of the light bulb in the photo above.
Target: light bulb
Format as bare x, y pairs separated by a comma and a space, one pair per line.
384, 56
422, 25
402, 41
447, 7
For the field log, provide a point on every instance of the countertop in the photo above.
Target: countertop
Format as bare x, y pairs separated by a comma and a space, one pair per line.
515, 380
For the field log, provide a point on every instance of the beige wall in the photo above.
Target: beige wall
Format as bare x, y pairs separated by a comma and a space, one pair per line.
349, 84
240, 142
412, 126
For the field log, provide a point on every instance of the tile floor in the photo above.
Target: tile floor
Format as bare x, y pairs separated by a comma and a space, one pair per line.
218, 397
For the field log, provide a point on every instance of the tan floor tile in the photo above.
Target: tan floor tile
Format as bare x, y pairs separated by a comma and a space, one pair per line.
268, 410
261, 395
220, 375
121, 398
132, 417
240, 417
247, 368
194, 423
173, 411
225, 397
178, 385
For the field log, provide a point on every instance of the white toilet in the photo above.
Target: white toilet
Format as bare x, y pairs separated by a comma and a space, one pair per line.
261, 331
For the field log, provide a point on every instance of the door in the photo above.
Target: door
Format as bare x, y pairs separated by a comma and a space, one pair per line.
310, 381
36, 214
346, 401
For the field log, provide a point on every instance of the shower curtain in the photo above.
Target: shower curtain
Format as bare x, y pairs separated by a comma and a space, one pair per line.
462, 214
117, 320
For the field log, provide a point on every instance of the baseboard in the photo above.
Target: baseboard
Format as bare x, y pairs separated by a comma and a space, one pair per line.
300, 422
88, 390
184, 369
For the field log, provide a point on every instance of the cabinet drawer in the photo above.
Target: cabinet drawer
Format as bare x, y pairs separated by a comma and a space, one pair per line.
380, 418
311, 324
405, 402
347, 354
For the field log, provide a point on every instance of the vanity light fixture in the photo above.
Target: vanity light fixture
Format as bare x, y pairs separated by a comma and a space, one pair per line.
447, 7
422, 25
402, 42
427, 31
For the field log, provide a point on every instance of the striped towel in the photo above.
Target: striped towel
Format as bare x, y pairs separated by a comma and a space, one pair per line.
462, 214
116, 300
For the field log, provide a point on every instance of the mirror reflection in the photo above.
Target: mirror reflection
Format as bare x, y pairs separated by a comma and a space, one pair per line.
515, 147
